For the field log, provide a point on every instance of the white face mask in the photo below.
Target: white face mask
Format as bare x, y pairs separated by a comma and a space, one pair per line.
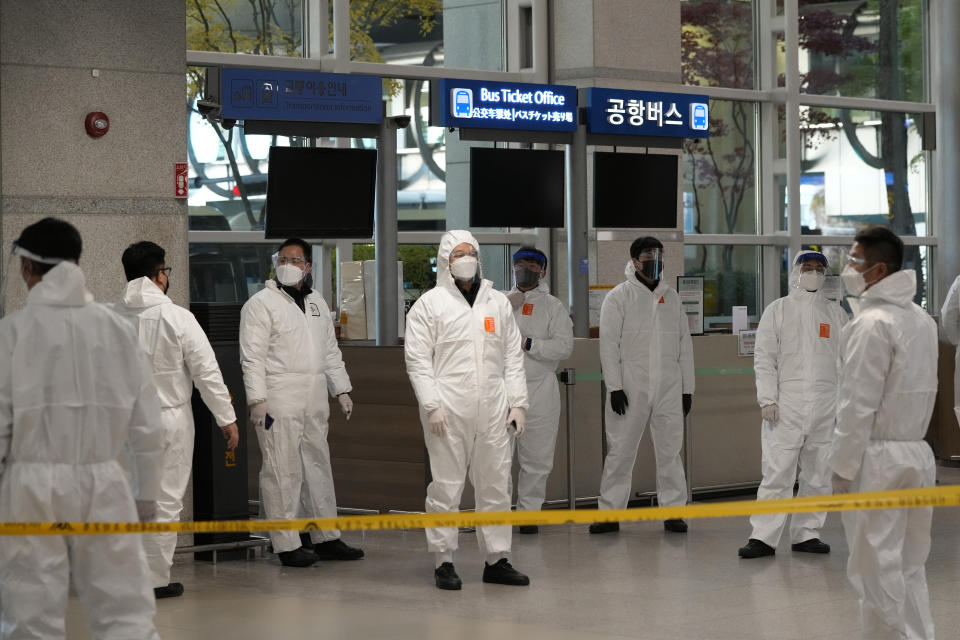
464, 268
289, 274
811, 280
853, 281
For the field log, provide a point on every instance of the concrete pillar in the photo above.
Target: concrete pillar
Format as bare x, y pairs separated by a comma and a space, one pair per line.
946, 15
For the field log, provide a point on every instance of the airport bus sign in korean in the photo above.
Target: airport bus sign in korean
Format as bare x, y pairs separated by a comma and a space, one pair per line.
647, 113
476, 104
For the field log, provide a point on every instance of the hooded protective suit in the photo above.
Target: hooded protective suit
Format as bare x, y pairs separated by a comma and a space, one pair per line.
467, 361
797, 365
74, 387
645, 350
888, 386
950, 319
291, 360
544, 320
181, 356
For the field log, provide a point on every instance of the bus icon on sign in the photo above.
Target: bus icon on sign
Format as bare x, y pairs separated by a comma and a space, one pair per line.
698, 117
462, 103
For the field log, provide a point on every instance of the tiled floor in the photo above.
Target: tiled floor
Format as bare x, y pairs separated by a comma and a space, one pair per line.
639, 583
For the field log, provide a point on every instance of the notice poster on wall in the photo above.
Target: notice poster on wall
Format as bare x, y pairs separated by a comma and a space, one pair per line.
690, 289
746, 341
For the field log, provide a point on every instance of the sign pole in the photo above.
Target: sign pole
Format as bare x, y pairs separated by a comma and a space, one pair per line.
578, 265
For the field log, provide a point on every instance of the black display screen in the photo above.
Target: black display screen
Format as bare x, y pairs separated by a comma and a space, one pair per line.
634, 190
516, 188
320, 192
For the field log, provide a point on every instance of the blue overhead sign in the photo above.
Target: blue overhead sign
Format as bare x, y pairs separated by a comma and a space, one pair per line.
647, 113
272, 94
475, 104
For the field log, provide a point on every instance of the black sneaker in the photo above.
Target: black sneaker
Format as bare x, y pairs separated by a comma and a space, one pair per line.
529, 528
172, 590
604, 527
756, 549
446, 577
502, 573
297, 558
675, 525
306, 542
336, 550
813, 545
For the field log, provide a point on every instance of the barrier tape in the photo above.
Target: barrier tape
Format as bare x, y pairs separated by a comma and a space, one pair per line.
948, 496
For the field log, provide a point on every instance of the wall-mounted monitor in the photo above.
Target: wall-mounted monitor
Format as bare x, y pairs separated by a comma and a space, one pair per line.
635, 190
315, 192
516, 188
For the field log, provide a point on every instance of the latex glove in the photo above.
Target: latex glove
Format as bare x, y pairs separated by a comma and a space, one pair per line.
841, 484
687, 403
438, 422
618, 402
346, 404
146, 510
516, 298
517, 417
258, 412
231, 434
770, 413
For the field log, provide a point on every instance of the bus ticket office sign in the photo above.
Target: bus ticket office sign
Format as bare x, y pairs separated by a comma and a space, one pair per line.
475, 104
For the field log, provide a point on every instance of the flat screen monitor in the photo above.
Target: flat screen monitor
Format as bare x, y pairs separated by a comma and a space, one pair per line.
516, 188
317, 192
634, 190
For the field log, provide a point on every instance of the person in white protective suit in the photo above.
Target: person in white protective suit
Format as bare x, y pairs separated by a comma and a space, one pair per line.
797, 364
75, 387
888, 385
462, 350
950, 320
291, 360
546, 336
647, 361
182, 357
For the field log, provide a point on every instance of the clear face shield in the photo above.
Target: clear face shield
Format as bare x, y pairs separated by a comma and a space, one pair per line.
464, 264
289, 270
650, 263
11, 271
810, 272
528, 269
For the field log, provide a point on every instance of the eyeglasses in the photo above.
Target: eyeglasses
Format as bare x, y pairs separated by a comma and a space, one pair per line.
299, 262
456, 255
165, 271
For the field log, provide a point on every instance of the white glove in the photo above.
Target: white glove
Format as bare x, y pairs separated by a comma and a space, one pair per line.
146, 510
258, 412
516, 298
438, 422
346, 404
770, 413
518, 416
841, 484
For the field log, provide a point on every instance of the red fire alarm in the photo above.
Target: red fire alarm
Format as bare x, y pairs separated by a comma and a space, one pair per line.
97, 124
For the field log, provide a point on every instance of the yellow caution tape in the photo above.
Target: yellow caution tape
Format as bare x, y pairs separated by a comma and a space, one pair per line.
948, 496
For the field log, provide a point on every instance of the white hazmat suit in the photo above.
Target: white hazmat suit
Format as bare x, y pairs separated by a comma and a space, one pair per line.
645, 351
888, 386
181, 357
74, 387
545, 321
950, 319
796, 360
466, 361
291, 360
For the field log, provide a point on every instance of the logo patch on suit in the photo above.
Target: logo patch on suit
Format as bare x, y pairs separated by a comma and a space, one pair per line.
661, 300
314, 309
527, 309
824, 330
489, 325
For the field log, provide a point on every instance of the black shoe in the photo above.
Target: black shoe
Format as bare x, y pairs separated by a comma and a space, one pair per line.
529, 528
297, 558
502, 573
336, 550
756, 549
604, 527
446, 577
306, 542
675, 525
813, 545
172, 590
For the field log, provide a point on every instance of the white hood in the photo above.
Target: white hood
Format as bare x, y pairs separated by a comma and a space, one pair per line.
450, 240
64, 286
899, 289
143, 293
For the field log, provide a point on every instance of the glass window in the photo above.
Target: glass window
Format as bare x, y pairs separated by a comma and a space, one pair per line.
720, 172
859, 168
870, 49
716, 42
265, 27
731, 277
228, 272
